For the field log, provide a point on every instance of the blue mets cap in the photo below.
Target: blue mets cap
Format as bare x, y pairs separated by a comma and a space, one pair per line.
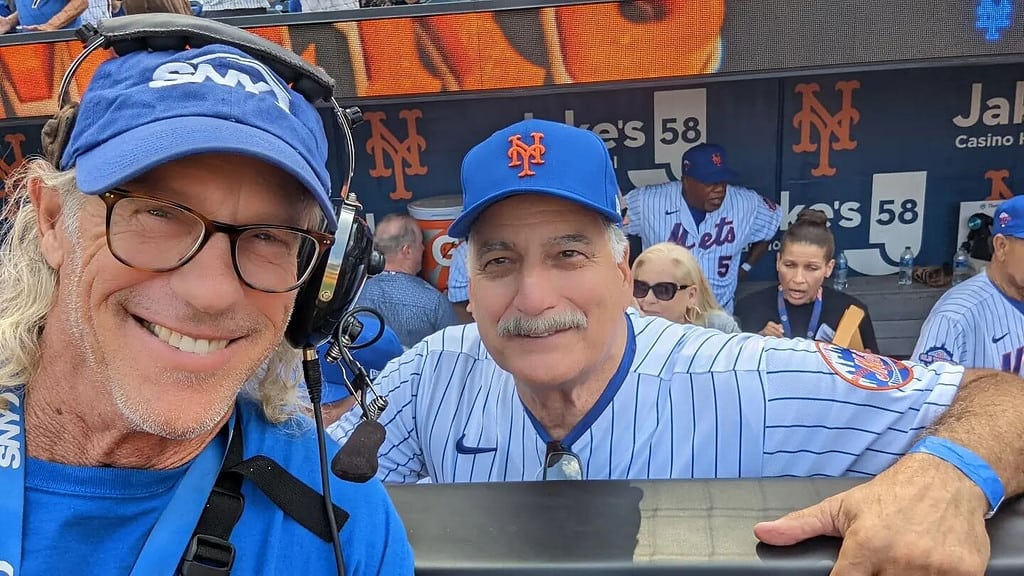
707, 163
1009, 218
538, 157
145, 109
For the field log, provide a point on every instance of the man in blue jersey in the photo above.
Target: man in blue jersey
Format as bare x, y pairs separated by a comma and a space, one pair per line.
557, 380
980, 322
146, 277
43, 15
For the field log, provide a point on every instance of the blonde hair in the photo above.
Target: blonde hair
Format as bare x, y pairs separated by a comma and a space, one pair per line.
687, 272
28, 287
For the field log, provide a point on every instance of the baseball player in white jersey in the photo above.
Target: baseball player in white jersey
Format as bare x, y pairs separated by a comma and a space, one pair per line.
558, 380
980, 322
713, 219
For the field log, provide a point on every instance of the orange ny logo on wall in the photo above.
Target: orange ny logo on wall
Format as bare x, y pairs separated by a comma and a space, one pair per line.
11, 156
404, 155
833, 129
521, 154
1000, 191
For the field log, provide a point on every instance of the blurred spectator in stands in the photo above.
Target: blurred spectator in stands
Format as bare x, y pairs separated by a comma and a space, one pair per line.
668, 282
96, 10
801, 305
409, 304
149, 6
321, 5
230, 8
43, 15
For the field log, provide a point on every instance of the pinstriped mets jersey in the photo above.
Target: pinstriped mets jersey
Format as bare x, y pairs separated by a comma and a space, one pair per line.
686, 402
976, 325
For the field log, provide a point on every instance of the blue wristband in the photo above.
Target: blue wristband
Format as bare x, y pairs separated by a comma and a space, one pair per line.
970, 464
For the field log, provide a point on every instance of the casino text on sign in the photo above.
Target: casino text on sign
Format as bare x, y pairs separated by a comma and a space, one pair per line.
993, 112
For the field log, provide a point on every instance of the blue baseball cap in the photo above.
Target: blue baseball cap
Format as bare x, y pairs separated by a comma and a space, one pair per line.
373, 358
1009, 218
538, 157
707, 163
145, 109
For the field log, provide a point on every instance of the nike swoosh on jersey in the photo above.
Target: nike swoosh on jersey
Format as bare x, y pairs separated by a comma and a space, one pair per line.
996, 340
671, 212
461, 447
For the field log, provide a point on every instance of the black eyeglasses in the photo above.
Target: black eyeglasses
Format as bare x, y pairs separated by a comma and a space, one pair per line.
560, 463
662, 290
158, 235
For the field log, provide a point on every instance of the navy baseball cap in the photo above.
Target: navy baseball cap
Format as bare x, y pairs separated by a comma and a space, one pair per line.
707, 163
1009, 218
145, 109
373, 358
538, 157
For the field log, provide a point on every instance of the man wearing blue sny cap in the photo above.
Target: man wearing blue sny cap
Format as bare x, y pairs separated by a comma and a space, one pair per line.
144, 280
709, 215
980, 322
555, 380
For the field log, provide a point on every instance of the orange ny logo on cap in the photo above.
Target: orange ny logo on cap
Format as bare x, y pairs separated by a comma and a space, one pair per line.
519, 154
717, 159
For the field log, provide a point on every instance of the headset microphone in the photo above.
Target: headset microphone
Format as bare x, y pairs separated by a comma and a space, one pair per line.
356, 461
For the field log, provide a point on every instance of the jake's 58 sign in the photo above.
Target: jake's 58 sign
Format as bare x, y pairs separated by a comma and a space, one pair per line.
886, 155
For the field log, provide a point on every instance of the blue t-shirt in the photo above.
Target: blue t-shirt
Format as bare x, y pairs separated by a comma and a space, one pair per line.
42, 12
96, 520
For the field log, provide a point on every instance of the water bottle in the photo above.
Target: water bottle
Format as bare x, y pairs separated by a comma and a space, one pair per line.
839, 274
906, 277
961, 265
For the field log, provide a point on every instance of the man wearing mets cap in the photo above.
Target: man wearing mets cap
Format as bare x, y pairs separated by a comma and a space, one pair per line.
709, 215
556, 381
143, 281
979, 323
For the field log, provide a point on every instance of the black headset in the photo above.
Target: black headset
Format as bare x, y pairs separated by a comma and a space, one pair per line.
338, 277
326, 299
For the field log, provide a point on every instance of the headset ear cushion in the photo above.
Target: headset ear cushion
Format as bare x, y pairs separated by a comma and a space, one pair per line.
57, 132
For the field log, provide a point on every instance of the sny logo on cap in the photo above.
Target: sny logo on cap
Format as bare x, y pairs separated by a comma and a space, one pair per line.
519, 154
198, 70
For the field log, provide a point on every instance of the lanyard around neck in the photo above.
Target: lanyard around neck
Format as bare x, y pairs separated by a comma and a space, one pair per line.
161, 552
812, 326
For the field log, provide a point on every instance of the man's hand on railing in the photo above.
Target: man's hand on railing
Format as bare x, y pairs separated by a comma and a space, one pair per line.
920, 517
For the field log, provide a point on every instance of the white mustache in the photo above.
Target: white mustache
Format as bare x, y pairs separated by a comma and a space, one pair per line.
535, 326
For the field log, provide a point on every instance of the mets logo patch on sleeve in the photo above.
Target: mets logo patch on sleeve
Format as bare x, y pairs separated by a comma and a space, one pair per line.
867, 371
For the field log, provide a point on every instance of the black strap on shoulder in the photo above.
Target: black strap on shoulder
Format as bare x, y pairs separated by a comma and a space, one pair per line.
210, 552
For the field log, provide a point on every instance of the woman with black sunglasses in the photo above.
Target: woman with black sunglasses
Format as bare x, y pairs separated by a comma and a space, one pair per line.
668, 282
801, 306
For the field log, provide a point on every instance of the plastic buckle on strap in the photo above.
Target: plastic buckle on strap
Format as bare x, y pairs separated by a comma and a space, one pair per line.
207, 556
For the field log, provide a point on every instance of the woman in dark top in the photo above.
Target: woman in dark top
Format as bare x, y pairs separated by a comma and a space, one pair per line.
801, 306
